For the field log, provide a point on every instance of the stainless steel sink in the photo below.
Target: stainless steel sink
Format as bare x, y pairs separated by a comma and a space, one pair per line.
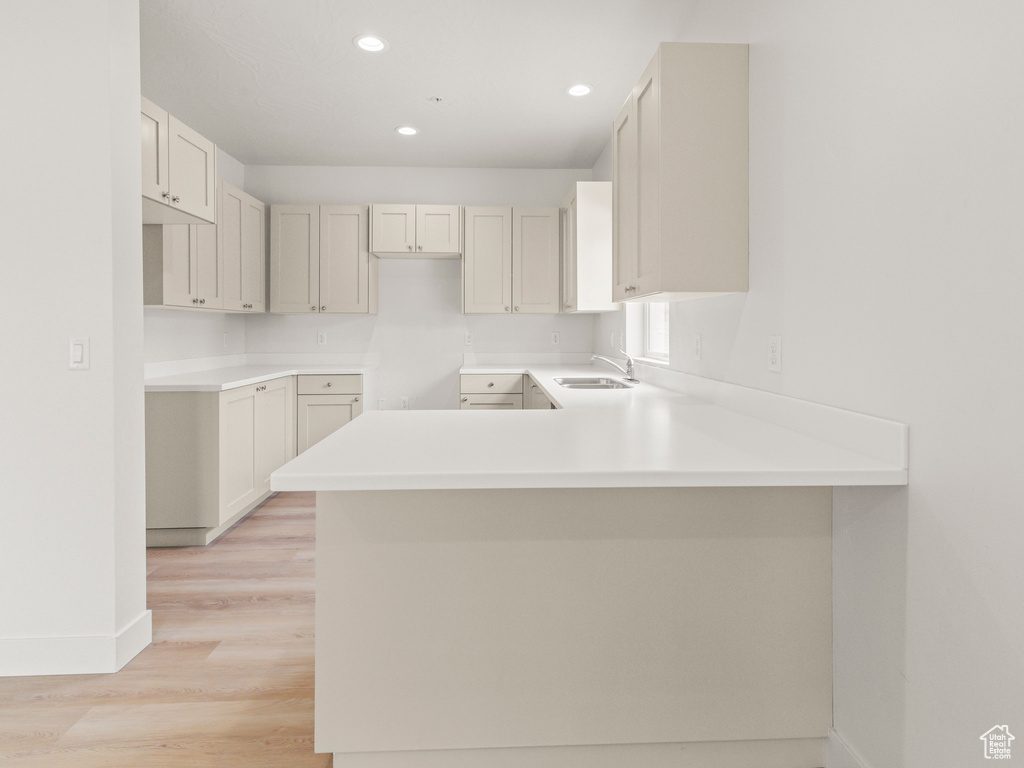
592, 383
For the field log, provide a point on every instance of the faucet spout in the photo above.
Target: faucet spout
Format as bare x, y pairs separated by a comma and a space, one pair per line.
626, 369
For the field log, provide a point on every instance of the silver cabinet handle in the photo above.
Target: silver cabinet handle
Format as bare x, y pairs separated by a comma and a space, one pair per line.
165, 195
410, 247
175, 199
355, 399
490, 383
419, 247
517, 309
329, 383
313, 308
202, 301
506, 309
195, 301
323, 309
465, 399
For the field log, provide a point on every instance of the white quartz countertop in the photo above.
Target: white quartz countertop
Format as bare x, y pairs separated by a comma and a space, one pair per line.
219, 379
645, 436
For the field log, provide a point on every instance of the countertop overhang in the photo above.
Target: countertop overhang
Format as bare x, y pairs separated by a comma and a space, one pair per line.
645, 436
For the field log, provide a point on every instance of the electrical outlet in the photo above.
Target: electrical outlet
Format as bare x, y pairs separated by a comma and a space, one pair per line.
698, 350
554, 338
405, 403
321, 339
469, 339
775, 354
381, 403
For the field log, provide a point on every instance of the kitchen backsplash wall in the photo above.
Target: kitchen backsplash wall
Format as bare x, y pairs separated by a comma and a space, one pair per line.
419, 333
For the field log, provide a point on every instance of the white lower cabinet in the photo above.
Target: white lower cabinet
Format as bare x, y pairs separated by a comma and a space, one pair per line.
487, 392
209, 456
533, 396
324, 404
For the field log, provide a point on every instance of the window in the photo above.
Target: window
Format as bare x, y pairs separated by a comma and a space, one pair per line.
656, 331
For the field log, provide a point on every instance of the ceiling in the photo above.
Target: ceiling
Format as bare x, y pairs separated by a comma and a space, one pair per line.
279, 82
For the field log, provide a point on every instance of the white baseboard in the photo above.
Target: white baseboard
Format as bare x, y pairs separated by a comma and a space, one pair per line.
778, 753
21, 657
839, 754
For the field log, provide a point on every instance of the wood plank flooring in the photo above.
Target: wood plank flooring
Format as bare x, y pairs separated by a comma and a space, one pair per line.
227, 682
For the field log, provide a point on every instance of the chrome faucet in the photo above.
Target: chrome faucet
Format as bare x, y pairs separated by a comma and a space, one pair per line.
628, 369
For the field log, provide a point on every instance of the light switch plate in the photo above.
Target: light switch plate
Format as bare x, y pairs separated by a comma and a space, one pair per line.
78, 354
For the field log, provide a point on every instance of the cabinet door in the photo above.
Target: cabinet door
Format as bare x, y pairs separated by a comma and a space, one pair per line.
191, 165
229, 233
647, 98
534, 397
492, 402
569, 289
295, 258
254, 255
321, 415
345, 279
169, 265
487, 266
393, 228
275, 428
535, 260
624, 202
239, 483
154, 152
438, 229
209, 280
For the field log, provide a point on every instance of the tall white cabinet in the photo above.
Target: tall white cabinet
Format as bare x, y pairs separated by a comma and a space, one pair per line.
680, 176
320, 260
242, 245
512, 260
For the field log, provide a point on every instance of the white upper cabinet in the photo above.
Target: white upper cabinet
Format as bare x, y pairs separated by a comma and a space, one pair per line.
241, 239
512, 260
178, 171
535, 260
487, 267
680, 195
320, 260
180, 266
587, 248
430, 231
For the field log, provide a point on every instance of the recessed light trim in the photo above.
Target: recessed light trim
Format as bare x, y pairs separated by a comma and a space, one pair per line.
406, 130
370, 43
580, 89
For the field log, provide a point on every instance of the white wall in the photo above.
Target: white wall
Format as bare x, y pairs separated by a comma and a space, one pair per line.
72, 557
887, 236
419, 331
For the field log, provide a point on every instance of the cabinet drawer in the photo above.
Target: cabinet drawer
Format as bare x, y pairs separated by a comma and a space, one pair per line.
493, 384
331, 384
491, 402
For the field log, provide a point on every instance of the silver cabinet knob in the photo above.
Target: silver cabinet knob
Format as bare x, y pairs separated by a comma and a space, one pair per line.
313, 308
410, 247
517, 309
175, 199
329, 383
355, 399
323, 309
202, 301
506, 309
465, 399
419, 247
165, 195
195, 301
490, 383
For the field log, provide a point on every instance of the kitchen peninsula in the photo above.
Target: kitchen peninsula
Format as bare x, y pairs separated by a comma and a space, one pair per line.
641, 576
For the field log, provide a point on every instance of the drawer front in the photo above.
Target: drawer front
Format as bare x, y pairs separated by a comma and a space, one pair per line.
491, 402
493, 384
331, 384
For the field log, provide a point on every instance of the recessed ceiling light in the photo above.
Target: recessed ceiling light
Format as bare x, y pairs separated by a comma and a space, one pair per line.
370, 43
406, 130
580, 89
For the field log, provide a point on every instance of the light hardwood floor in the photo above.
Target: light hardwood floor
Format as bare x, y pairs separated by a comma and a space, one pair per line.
227, 682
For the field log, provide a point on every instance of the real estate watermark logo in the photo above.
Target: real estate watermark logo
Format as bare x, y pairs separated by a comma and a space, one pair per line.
997, 742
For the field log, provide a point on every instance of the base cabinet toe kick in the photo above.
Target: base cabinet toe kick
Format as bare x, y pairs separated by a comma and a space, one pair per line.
547, 627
